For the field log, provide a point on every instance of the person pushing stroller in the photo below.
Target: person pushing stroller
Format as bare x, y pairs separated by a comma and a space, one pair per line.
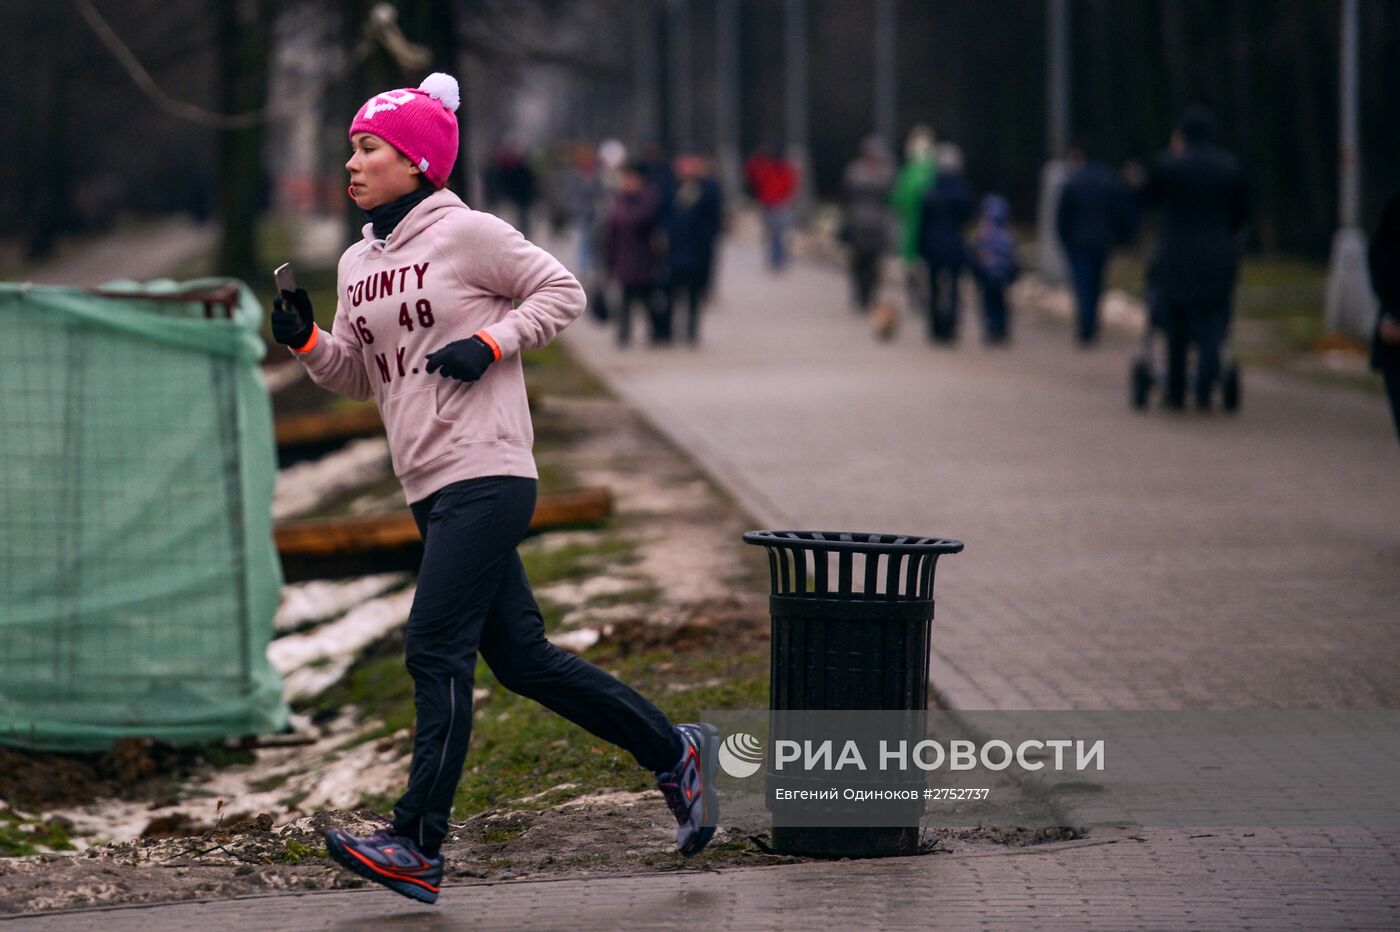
1200, 192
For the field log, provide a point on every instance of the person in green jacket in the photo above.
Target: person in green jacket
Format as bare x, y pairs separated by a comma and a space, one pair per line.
907, 199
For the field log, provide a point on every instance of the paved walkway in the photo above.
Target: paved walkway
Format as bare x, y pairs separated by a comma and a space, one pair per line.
1157, 880
140, 254
1114, 559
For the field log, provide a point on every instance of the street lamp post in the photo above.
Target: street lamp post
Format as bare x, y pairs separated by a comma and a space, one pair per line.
727, 96
1351, 305
1050, 255
678, 74
795, 55
645, 74
886, 71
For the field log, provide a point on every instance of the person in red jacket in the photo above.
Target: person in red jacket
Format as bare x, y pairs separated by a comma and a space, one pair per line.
433, 308
773, 180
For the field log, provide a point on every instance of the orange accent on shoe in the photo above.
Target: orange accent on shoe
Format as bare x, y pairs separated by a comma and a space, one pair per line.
489, 341
310, 344
391, 874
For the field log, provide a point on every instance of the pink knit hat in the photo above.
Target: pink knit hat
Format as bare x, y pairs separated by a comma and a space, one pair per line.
421, 122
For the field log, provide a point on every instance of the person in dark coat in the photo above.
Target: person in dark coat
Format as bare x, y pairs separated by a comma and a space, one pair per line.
631, 249
1089, 221
1383, 258
513, 179
946, 210
692, 225
1204, 205
865, 225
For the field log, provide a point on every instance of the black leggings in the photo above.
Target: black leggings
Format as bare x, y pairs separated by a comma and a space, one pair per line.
473, 596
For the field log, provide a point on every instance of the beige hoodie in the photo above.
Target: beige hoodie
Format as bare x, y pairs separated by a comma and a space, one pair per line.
445, 273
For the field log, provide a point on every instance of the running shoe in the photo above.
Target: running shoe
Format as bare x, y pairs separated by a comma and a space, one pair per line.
389, 859
690, 788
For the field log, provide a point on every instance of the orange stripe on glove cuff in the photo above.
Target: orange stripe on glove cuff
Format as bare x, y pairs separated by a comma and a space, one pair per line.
489, 341
310, 343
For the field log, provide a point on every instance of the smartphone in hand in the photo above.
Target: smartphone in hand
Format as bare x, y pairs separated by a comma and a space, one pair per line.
285, 277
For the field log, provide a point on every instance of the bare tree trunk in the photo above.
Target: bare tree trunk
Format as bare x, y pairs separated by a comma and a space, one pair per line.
378, 73
436, 25
244, 29
1174, 50
48, 192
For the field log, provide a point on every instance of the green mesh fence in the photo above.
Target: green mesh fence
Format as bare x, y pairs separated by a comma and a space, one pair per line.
138, 577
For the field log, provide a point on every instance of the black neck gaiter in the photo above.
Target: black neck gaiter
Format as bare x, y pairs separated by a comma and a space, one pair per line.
387, 216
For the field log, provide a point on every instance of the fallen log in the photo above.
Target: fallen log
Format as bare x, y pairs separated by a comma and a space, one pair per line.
305, 436
331, 548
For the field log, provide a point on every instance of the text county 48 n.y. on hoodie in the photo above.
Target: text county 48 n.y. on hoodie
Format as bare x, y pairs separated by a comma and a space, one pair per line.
446, 272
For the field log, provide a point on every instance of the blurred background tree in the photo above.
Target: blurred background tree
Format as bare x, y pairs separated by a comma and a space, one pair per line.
91, 148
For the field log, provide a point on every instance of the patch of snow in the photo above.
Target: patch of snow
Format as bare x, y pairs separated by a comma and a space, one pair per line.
621, 798
576, 593
360, 770
553, 789
321, 599
578, 640
371, 503
333, 647
303, 486
608, 615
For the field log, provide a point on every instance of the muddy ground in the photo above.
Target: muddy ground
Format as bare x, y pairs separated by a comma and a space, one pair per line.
665, 594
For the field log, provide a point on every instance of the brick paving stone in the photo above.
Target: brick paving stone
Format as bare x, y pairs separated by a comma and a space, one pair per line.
1343, 879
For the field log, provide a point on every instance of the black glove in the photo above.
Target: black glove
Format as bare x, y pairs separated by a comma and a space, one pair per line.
292, 323
464, 359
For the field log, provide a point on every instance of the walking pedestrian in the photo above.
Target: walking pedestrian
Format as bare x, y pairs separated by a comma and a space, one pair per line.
1089, 220
631, 249
946, 209
866, 186
915, 177
1204, 205
773, 182
994, 266
579, 190
1383, 257
693, 224
611, 160
513, 179
426, 325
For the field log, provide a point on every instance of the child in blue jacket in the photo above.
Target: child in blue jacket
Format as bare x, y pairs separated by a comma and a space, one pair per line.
994, 265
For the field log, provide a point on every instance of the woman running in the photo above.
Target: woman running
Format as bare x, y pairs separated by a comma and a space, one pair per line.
426, 324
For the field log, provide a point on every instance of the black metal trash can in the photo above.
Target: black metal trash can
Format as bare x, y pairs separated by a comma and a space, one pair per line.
853, 635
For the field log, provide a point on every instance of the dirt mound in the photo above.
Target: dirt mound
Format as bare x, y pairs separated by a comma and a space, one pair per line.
735, 625
132, 769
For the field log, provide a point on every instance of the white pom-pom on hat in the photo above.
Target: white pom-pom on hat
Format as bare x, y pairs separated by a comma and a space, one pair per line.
444, 88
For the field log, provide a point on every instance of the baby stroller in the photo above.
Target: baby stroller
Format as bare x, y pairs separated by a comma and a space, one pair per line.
1149, 370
